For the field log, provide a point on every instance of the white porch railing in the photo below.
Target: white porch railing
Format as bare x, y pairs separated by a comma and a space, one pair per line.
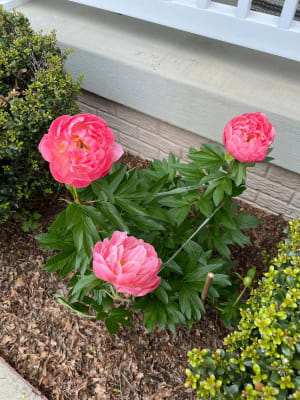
238, 25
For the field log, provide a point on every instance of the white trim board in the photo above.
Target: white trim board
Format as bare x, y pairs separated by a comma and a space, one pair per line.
191, 82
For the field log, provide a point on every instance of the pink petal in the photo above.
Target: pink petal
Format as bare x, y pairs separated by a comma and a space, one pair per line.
117, 151
103, 272
45, 148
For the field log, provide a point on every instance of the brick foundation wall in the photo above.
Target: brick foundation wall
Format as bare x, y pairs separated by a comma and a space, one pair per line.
268, 187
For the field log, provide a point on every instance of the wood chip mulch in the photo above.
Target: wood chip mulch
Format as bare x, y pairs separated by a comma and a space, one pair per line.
72, 358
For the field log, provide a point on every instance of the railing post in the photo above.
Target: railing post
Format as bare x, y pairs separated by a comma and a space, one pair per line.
243, 8
203, 3
287, 13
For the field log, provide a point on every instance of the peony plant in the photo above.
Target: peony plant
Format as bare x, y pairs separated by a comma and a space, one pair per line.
147, 238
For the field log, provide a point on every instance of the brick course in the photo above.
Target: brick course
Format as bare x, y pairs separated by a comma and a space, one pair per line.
268, 186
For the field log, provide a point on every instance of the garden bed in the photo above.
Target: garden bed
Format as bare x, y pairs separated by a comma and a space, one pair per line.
69, 357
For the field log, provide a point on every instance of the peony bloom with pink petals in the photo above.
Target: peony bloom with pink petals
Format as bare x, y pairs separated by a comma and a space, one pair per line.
80, 149
130, 264
248, 137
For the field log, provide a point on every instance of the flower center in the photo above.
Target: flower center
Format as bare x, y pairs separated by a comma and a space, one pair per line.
79, 143
253, 136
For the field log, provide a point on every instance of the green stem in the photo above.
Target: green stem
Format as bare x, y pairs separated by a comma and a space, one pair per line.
117, 298
192, 236
76, 196
218, 308
74, 192
179, 190
238, 299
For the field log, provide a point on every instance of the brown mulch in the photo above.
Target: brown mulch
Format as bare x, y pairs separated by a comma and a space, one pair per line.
68, 357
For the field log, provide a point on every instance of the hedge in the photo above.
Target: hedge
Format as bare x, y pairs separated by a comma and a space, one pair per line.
262, 356
34, 90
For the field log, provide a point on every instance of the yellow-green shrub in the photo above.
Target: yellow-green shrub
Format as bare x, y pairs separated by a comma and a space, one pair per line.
34, 90
262, 356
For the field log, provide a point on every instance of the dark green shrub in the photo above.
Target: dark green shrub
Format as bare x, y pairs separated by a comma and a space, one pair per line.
34, 90
262, 358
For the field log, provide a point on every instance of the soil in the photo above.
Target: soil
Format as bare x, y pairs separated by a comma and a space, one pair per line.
73, 358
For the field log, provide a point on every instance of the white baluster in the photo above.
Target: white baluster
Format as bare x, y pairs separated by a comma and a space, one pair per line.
203, 3
287, 13
243, 8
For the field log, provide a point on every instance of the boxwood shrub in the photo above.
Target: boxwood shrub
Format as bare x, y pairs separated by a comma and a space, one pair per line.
262, 356
34, 90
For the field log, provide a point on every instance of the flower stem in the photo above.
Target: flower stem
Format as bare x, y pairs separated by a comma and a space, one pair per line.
191, 237
219, 309
238, 299
76, 196
117, 298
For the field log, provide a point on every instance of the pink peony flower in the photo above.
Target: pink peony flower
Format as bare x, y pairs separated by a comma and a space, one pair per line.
130, 264
248, 137
80, 149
